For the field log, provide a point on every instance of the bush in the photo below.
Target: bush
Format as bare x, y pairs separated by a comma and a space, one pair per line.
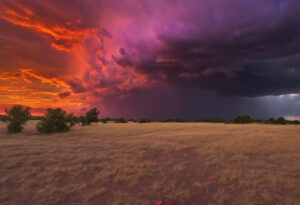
17, 116
270, 121
56, 120
4, 118
173, 120
144, 120
295, 122
214, 120
281, 121
120, 120
104, 120
92, 116
82, 120
242, 119
14, 126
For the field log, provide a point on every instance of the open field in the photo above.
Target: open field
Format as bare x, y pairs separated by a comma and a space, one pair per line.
177, 163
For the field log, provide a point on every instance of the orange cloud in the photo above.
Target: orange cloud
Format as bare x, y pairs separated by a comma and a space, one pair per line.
45, 91
45, 79
95, 74
62, 36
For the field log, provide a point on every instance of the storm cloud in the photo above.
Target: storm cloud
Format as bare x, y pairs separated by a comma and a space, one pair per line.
176, 54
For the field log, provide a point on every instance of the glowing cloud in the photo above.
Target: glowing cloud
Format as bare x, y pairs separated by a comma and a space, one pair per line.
90, 53
62, 36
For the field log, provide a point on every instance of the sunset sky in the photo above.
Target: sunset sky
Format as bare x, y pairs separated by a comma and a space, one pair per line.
152, 58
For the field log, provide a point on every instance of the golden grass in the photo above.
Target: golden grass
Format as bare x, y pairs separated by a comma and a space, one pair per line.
178, 163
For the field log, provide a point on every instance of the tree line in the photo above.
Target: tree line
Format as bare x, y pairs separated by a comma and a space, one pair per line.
58, 120
55, 120
245, 119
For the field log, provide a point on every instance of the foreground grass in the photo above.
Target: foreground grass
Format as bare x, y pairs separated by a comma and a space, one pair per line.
178, 163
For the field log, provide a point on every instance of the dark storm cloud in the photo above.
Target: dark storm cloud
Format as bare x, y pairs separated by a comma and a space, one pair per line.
205, 44
123, 59
233, 54
123, 53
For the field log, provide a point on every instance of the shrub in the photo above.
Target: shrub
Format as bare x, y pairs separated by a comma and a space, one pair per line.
242, 119
92, 116
76, 119
295, 122
214, 120
120, 120
270, 121
71, 119
168, 120
4, 118
173, 120
104, 120
144, 120
14, 126
17, 116
281, 121
82, 120
56, 120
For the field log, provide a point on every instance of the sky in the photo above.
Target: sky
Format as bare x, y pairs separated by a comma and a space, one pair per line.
152, 58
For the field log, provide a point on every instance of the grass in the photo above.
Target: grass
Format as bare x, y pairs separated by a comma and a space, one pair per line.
177, 163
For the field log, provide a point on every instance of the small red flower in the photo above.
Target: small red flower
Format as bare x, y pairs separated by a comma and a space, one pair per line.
210, 178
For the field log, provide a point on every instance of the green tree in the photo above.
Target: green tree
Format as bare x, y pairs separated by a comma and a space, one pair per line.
56, 120
17, 116
82, 120
120, 120
92, 116
145, 120
242, 119
281, 121
104, 120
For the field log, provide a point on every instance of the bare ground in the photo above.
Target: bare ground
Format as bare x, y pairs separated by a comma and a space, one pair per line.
176, 163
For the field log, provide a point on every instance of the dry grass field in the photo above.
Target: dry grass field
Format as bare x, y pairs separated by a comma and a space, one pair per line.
175, 163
